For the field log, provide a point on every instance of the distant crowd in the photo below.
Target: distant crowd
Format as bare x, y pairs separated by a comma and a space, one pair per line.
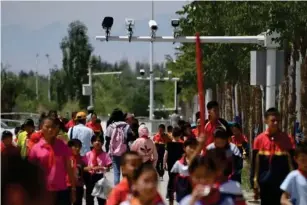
65, 161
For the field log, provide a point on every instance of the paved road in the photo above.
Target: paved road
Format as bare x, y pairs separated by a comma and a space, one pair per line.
163, 188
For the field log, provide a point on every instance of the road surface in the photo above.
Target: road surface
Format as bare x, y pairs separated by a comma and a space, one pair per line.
163, 188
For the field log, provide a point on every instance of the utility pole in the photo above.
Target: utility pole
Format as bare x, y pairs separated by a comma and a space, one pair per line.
36, 77
49, 80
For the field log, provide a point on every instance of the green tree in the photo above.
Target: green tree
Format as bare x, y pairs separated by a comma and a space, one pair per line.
76, 51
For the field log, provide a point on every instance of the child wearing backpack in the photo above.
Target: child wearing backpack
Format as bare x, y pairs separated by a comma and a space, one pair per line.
118, 134
145, 147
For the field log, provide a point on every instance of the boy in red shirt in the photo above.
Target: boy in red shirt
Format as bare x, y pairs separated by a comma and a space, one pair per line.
130, 161
273, 152
7, 147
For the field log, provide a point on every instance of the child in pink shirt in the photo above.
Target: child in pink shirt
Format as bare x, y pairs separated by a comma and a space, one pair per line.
97, 162
145, 147
53, 156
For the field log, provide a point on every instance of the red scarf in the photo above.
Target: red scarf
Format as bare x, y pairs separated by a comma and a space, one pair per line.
51, 160
95, 156
303, 173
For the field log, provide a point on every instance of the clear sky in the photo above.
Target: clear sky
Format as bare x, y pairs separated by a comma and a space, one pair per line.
34, 27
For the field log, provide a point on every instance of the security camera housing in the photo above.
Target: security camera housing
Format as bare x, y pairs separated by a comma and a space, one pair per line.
129, 23
142, 72
175, 23
153, 25
107, 22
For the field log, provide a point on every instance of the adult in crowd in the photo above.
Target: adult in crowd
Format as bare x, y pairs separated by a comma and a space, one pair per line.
175, 118
94, 124
71, 122
81, 132
118, 134
90, 111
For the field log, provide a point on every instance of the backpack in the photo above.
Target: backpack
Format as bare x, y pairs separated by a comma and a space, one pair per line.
118, 145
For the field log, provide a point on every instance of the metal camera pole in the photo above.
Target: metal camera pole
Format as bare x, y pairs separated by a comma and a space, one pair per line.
151, 81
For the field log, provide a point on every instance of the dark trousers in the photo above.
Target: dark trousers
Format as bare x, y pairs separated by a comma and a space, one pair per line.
61, 197
159, 166
170, 185
270, 195
79, 195
90, 181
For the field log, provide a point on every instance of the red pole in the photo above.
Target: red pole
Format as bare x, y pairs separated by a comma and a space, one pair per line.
201, 97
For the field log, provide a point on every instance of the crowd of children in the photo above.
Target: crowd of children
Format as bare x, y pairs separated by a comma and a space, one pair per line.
204, 168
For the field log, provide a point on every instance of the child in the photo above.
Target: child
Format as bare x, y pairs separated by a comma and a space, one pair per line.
187, 131
145, 187
180, 168
207, 189
130, 161
23, 137
272, 160
160, 139
214, 121
145, 147
294, 186
170, 131
78, 166
174, 151
53, 156
239, 139
97, 162
7, 147
235, 160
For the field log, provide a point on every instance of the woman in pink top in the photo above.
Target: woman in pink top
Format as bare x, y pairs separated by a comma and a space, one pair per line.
145, 147
53, 156
97, 162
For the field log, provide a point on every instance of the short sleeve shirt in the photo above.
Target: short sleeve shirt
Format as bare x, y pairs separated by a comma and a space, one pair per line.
103, 159
296, 185
56, 175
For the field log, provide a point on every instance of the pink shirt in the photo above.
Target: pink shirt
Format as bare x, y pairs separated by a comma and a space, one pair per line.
56, 175
146, 148
103, 159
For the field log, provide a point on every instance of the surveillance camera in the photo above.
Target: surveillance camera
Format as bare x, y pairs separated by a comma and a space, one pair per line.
129, 23
169, 72
142, 72
153, 25
175, 23
107, 22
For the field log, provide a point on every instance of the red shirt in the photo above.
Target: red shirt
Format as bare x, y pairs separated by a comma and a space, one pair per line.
195, 132
96, 127
9, 150
120, 192
239, 140
70, 124
161, 139
279, 144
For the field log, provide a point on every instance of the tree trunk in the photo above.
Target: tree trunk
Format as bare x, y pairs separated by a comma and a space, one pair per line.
228, 101
251, 116
292, 93
258, 107
304, 96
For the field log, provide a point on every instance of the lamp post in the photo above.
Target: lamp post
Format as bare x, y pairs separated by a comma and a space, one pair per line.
36, 77
49, 76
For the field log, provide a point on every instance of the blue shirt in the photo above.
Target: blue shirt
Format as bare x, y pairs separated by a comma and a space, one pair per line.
295, 184
84, 134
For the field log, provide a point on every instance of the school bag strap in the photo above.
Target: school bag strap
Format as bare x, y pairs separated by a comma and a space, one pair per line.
71, 132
